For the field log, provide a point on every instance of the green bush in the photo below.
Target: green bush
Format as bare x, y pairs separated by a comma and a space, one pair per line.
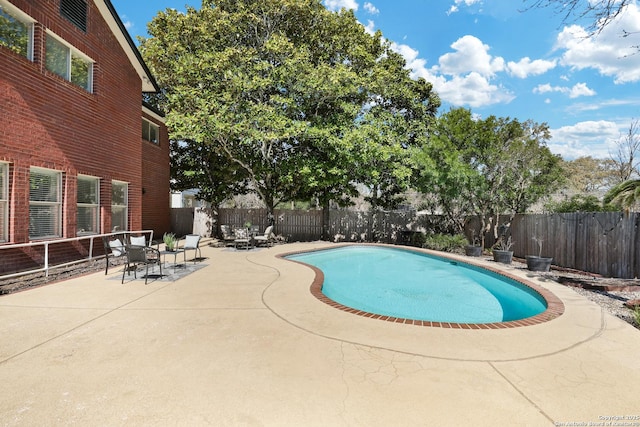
445, 242
417, 240
580, 203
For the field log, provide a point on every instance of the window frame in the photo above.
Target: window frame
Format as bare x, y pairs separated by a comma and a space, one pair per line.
94, 206
124, 207
146, 123
22, 17
4, 202
57, 205
72, 53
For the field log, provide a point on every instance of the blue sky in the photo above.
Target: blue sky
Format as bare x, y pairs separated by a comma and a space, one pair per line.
489, 56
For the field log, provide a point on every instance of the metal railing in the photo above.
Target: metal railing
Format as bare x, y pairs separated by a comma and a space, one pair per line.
48, 243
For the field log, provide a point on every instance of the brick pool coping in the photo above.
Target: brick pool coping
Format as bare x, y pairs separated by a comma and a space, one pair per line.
555, 307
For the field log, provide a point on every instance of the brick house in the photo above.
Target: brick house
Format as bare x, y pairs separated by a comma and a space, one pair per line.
73, 158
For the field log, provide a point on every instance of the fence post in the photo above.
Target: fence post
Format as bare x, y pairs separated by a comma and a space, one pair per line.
46, 259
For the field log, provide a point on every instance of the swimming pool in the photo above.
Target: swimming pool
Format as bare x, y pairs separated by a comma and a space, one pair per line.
414, 285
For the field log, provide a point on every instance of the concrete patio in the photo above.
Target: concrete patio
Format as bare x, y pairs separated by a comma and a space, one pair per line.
242, 341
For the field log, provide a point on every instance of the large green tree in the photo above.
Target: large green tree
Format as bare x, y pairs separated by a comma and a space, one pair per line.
487, 167
195, 165
588, 175
284, 89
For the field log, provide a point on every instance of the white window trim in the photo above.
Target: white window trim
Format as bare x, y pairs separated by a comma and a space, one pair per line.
126, 203
4, 197
156, 127
97, 205
24, 18
58, 204
74, 52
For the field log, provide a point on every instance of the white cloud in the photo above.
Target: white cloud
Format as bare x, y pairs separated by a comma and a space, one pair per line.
608, 52
546, 88
589, 138
473, 90
339, 4
418, 66
369, 7
408, 53
631, 105
459, 79
466, 2
455, 6
370, 28
526, 67
579, 89
126, 22
471, 55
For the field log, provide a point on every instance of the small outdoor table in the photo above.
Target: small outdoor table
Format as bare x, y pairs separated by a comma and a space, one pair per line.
243, 243
175, 253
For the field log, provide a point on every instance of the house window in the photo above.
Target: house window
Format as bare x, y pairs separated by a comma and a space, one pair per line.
45, 203
76, 12
88, 204
150, 131
16, 30
4, 201
68, 63
119, 208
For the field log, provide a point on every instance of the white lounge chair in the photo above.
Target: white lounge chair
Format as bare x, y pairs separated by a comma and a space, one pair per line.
266, 238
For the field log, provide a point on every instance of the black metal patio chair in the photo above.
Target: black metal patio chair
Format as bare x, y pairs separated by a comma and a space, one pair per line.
141, 256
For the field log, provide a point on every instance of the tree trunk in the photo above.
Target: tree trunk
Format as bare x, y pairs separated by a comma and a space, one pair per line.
269, 203
326, 217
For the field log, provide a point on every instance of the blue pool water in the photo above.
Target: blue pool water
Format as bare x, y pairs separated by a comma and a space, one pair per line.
418, 286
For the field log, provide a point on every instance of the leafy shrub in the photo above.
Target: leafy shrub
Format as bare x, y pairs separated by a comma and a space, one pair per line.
445, 242
580, 203
417, 239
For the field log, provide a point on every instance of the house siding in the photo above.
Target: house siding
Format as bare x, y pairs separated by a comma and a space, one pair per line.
48, 122
156, 197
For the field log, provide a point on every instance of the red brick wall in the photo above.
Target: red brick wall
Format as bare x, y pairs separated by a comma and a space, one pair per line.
156, 214
48, 122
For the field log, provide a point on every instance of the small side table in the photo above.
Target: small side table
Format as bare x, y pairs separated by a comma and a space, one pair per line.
243, 243
175, 253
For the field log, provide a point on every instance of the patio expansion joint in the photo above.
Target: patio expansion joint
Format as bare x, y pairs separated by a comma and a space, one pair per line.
520, 392
81, 325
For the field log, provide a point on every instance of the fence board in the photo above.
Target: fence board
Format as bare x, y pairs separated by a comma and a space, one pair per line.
181, 221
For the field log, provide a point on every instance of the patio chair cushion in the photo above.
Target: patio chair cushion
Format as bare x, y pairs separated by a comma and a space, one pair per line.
138, 241
191, 241
117, 248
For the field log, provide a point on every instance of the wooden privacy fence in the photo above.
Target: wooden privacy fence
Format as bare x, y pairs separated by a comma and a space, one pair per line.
365, 226
306, 225
606, 243
293, 225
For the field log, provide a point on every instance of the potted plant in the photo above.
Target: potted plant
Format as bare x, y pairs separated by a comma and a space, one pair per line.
538, 262
474, 248
170, 241
502, 252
